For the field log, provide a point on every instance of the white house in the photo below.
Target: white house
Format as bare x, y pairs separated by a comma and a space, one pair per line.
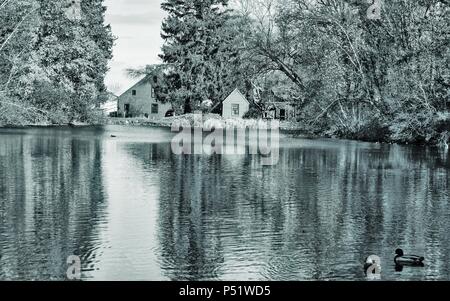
140, 101
235, 105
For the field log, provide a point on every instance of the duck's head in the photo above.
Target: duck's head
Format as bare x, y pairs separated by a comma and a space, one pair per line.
399, 252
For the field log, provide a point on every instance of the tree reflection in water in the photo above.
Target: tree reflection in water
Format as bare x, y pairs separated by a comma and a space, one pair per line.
134, 211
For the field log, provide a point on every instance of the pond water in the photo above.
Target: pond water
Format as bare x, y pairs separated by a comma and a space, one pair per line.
133, 210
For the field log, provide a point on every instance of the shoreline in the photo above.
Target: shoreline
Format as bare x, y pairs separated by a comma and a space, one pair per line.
293, 129
284, 125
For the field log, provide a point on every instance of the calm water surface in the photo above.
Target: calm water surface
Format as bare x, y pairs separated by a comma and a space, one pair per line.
132, 210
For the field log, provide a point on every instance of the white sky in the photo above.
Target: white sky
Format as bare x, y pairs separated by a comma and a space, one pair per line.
137, 26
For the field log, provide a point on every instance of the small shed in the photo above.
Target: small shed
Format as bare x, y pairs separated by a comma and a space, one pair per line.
235, 105
280, 110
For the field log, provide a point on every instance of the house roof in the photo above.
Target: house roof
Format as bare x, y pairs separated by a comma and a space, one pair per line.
236, 91
144, 79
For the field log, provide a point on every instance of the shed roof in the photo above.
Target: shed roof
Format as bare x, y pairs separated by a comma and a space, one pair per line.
236, 91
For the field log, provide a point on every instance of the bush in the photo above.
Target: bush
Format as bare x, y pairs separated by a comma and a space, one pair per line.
253, 113
371, 130
95, 117
422, 127
18, 113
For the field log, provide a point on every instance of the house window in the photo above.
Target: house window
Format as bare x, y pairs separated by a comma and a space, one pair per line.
154, 108
133, 92
235, 110
153, 93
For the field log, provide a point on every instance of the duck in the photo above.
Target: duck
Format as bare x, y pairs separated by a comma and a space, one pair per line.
411, 260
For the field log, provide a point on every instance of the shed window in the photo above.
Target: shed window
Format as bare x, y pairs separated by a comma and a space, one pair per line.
235, 110
155, 108
133, 92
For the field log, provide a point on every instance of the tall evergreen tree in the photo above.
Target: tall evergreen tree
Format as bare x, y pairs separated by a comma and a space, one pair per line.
201, 50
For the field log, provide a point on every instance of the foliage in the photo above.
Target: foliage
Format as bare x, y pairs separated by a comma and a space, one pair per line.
51, 62
202, 47
253, 113
351, 75
421, 127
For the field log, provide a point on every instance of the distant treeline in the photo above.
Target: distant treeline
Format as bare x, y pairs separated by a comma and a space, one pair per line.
53, 60
352, 70
349, 71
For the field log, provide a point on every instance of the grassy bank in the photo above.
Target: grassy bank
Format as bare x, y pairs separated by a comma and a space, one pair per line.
208, 120
372, 132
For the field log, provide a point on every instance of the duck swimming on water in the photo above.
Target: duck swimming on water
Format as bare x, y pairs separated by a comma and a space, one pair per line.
412, 260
